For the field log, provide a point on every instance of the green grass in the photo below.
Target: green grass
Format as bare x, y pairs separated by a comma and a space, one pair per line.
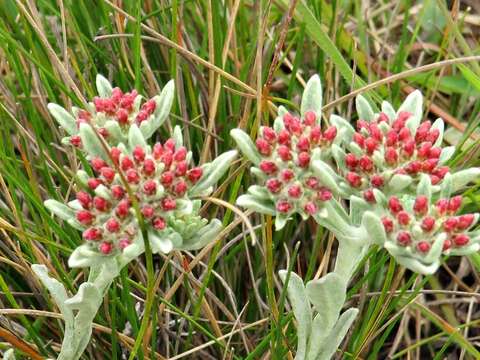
226, 299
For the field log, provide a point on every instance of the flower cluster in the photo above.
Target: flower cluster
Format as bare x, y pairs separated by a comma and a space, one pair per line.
157, 177
285, 163
385, 147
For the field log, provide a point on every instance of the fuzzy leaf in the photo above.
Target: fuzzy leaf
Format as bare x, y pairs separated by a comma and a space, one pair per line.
280, 221
463, 177
398, 182
259, 205
424, 186
216, 170
177, 136
91, 143
301, 310
326, 175
61, 210
374, 228
417, 266
205, 236
358, 206
312, 97
64, 118
115, 131
104, 87
246, 145
440, 125
83, 256
414, 105
388, 110
164, 103
135, 137
446, 154
159, 242
341, 123
364, 109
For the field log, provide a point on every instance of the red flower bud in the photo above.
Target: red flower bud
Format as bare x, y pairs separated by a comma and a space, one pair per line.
75, 140
310, 208
315, 134
132, 176
387, 224
303, 144
423, 246
461, 240
324, 194
442, 206
284, 138
181, 168
180, 154
84, 217
108, 173
394, 205
84, 198
433, 135
180, 188
112, 225
391, 156
126, 163
103, 132
170, 145
149, 167
371, 145
312, 182
428, 223
447, 244
122, 208
159, 223
269, 134
421, 205
330, 134
284, 153
150, 187
117, 95
366, 164
92, 234
403, 218
465, 221
440, 172
167, 178
429, 165
435, 153
354, 179
100, 203
167, 158
287, 175
293, 126
263, 147
138, 153
295, 191
105, 248
117, 192
148, 211
424, 150
392, 138
413, 167
122, 244
122, 116
194, 174
309, 118
369, 196
268, 167
409, 148
382, 117
97, 164
450, 224
157, 151
303, 159
149, 106
404, 238
375, 132
404, 134
377, 181
351, 161
422, 131
115, 154
454, 204
142, 116
362, 125
169, 204
93, 183
403, 115
273, 185
284, 206
359, 139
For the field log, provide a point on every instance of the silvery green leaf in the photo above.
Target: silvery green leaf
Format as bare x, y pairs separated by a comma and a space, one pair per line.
104, 87
82, 177
414, 105
312, 98
73, 222
282, 111
280, 221
326, 175
465, 250
75, 205
84, 256
336, 220
86, 296
341, 123
115, 131
417, 266
301, 310
59, 209
446, 154
216, 170
246, 145
63, 117
388, 109
9, 354
374, 228
440, 125
355, 149
184, 207
351, 250
91, 143
436, 249
132, 251
258, 173
339, 156
260, 192
398, 182
278, 124
424, 186
333, 341
463, 177
164, 104
446, 187
135, 137
205, 236
380, 197
256, 204
364, 109
103, 191
177, 136
358, 206
159, 242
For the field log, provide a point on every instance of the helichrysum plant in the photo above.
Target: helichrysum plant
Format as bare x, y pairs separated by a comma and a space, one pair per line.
402, 196
135, 193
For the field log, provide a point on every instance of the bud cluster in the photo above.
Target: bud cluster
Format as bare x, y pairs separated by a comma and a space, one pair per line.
158, 177
383, 148
121, 108
418, 225
285, 163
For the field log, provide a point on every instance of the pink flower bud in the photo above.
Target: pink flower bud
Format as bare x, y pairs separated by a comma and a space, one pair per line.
181, 168
180, 188
371, 145
403, 115
429, 165
273, 185
93, 183
150, 187
312, 182
84, 198
450, 224
117, 192
391, 156
359, 139
84, 217
310, 208
413, 167
105, 248
422, 131
122, 116
269, 134
167, 158
194, 174
122, 208
366, 164
428, 223
394, 205
263, 147
142, 116
440, 172
354, 179
132, 176
387, 224
309, 118
435, 153
377, 181
167, 178
180, 154
303, 159
375, 132
369, 196
315, 134
287, 175
84, 115
115, 153
159, 223
382, 117
433, 135
97, 164
149, 106
434, 179
447, 244
127, 100
351, 161
421, 205
284, 206
294, 126
122, 244
404, 134
99, 104
138, 153
465, 221
330, 134
303, 144
442, 206
392, 138
404, 238
423, 246
295, 191
76, 141
147, 211
103, 132
170, 145
108, 173
362, 125
100, 203
149, 167
461, 240
92, 234
284, 153
117, 94
324, 194
112, 225
284, 138
424, 150
409, 147
169, 204
157, 151
454, 204
126, 163
403, 218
